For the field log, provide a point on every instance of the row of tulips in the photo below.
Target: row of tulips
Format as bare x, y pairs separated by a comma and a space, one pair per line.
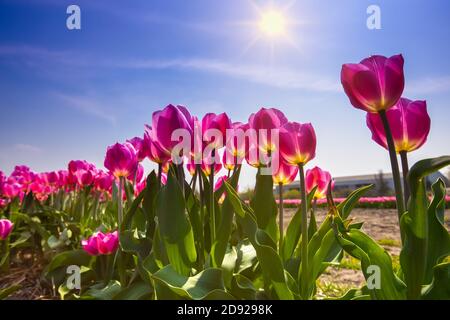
166, 236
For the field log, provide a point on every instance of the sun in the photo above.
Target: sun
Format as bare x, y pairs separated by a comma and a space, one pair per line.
273, 23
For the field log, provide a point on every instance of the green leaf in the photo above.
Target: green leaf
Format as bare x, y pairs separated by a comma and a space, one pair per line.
346, 206
439, 289
205, 285
294, 231
225, 226
6, 292
414, 226
439, 237
362, 247
264, 205
243, 288
136, 291
175, 228
56, 269
102, 292
266, 248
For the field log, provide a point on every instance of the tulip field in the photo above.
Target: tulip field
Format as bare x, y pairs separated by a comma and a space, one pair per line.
183, 231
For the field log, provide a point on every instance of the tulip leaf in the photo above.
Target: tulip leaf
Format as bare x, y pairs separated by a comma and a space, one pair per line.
6, 292
242, 287
346, 206
266, 248
373, 259
293, 231
439, 237
415, 227
136, 291
175, 228
264, 205
225, 225
206, 285
439, 289
56, 269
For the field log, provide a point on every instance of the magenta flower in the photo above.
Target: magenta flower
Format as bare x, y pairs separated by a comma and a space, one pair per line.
103, 181
166, 121
220, 122
268, 120
297, 143
409, 123
81, 173
374, 84
219, 184
154, 151
101, 243
140, 147
235, 149
320, 178
5, 228
285, 173
121, 160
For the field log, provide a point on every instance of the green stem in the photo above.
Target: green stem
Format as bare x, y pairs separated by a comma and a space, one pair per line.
394, 166
119, 203
304, 244
211, 200
281, 217
405, 170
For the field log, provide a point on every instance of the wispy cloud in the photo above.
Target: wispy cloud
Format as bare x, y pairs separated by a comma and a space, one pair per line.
26, 148
426, 85
272, 76
87, 105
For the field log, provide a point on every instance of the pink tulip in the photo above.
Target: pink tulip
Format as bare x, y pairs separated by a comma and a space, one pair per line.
101, 243
206, 166
220, 122
297, 143
409, 123
374, 84
103, 181
5, 228
121, 160
11, 189
320, 178
166, 121
235, 149
219, 184
268, 120
137, 174
285, 173
154, 151
140, 147
81, 173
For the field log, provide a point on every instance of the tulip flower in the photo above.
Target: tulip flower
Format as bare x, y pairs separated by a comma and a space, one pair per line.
409, 123
81, 173
270, 120
218, 185
121, 160
103, 181
155, 152
101, 243
166, 121
374, 84
235, 149
6, 227
319, 178
297, 143
220, 122
140, 147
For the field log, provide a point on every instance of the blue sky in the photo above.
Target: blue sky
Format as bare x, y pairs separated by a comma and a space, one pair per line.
69, 94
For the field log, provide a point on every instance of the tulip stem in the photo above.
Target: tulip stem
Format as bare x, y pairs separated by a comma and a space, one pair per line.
281, 218
394, 166
405, 171
304, 226
159, 175
198, 170
119, 202
211, 202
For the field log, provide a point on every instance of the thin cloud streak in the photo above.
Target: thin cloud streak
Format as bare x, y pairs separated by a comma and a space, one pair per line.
87, 106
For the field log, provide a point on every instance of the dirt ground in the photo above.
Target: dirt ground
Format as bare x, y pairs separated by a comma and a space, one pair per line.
381, 225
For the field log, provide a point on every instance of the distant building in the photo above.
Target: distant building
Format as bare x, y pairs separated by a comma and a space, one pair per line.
355, 182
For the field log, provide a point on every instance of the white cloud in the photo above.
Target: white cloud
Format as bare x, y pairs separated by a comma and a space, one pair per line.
88, 106
26, 148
